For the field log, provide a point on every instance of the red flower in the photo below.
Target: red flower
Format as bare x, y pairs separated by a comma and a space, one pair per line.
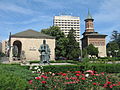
102, 73
45, 77
109, 82
114, 84
73, 78
64, 74
83, 74
30, 82
77, 74
94, 83
118, 83
71, 82
37, 78
43, 81
90, 71
105, 85
111, 86
96, 74
83, 78
60, 73
67, 78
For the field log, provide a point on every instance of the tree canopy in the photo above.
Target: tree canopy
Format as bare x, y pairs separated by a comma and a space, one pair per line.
73, 49
65, 46
111, 47
114, 44
60, 40
91, 50
53, 31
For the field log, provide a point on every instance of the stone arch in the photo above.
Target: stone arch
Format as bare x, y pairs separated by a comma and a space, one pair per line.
19, 46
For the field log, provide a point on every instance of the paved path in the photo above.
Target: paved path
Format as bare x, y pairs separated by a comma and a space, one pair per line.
37, 64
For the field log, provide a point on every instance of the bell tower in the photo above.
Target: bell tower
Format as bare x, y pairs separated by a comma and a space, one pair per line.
92, 37
89, 26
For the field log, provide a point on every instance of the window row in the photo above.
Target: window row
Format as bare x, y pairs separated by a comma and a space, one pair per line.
67, 20
70, 28
65, 25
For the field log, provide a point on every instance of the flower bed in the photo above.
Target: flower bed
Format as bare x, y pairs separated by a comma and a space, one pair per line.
74, 80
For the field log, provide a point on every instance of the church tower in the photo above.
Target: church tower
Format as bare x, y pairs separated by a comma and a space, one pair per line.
89, 26
92, 37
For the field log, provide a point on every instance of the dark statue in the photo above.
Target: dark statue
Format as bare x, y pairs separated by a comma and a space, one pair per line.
45, 52
15, 51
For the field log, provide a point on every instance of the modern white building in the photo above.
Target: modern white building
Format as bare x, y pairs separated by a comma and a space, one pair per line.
66, 22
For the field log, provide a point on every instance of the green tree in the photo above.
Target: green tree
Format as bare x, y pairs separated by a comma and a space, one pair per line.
111, 47
114, 44
91, 50
73, 49
61, 40
53, 31
115, 36
84, 53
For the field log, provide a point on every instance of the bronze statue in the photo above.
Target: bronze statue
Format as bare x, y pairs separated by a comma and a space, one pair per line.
45, 53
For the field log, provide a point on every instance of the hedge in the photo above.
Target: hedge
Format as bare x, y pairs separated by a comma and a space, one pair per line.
108, 68
57, 61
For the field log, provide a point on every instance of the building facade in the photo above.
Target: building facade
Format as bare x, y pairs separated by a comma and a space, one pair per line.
92, 37
28, 42
5, 47
66, 23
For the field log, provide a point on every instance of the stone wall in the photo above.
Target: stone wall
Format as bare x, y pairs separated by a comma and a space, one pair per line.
100, 44
31, 45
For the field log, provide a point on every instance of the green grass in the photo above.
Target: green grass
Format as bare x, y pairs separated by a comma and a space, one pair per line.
14, 77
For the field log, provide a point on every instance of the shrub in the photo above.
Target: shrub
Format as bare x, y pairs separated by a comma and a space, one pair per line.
9, 81
18, 70
109, 68
74, 80
14, 77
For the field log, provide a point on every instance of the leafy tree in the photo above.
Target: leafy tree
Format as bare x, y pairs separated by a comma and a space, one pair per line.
84, 53
114, 44
91, 50
111, 47
61, 40
73, 49
115, 35
53, 31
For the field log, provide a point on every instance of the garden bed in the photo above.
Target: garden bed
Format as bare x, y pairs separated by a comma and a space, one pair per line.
73, 80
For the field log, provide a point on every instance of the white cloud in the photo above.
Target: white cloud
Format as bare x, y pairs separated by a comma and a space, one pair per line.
31, 20
15, 8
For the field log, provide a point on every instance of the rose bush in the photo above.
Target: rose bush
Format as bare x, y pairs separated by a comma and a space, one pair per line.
75, 80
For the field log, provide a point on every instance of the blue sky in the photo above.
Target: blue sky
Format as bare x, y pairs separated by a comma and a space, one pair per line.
20, 15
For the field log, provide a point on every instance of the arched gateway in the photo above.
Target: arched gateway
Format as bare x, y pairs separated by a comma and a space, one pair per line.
17, 48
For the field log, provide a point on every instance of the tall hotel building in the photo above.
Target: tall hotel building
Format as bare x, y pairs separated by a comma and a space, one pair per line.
66, 22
